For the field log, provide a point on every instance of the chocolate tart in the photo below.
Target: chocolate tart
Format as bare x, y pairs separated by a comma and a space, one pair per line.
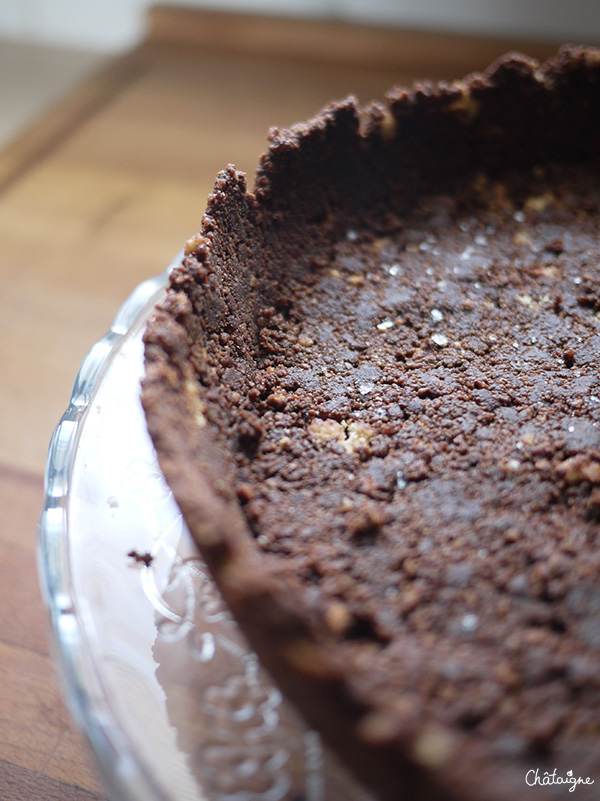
373, 387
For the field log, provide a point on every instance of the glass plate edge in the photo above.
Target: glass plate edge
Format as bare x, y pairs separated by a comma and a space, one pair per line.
118, 767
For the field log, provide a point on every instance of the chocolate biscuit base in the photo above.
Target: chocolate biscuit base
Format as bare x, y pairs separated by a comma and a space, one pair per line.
373, 388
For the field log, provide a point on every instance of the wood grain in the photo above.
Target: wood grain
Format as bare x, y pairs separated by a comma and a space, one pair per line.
39, 138
422, 54
23, 622
19, 784
38, 735
100, 194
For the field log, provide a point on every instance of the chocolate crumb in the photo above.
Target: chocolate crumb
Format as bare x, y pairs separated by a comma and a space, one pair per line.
145, 559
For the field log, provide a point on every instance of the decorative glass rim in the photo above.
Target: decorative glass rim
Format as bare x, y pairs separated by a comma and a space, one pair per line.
119, 767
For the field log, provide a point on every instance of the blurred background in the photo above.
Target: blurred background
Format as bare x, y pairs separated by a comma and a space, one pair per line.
110, 25
48, 46
115, 117
72, 37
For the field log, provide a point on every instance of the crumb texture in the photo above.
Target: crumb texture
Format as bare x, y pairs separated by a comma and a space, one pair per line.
400, 378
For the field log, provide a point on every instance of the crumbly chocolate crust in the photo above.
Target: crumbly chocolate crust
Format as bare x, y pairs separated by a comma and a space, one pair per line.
373, 387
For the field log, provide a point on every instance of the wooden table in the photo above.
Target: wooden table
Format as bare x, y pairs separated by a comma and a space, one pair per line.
100, 194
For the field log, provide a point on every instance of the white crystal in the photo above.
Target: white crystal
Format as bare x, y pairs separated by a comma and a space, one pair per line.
441, 340
469, 622
365, 388
436, 316
385, 325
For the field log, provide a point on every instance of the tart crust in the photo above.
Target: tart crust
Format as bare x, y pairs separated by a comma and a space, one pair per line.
372, 389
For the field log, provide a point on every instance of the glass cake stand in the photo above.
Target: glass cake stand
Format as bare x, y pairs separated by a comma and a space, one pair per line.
156, 673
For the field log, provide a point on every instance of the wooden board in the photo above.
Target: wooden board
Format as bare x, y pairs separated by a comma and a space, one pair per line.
42, 754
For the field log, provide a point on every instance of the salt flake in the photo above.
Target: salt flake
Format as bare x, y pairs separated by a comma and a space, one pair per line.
469, 622
441, 340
